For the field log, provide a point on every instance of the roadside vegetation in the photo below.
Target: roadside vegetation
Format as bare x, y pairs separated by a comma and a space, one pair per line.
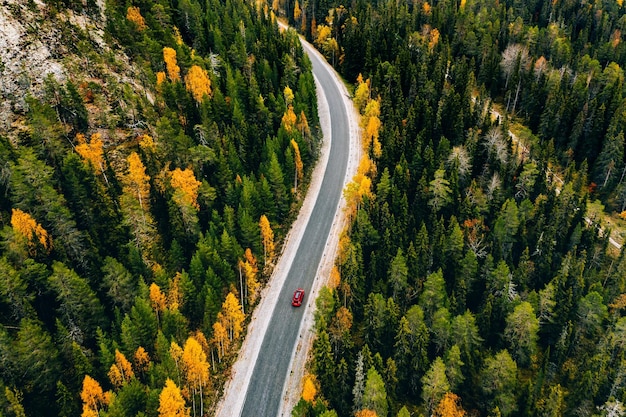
476, 277
143, 202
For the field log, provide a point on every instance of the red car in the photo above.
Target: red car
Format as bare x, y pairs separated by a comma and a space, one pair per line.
298, 296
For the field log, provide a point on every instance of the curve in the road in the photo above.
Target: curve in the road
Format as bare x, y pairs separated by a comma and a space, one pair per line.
264, 392
274, 317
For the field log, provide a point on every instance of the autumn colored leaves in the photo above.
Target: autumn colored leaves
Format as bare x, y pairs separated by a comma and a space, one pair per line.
197, 80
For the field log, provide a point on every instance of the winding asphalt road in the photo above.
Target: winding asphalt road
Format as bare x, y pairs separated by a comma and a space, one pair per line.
264, 392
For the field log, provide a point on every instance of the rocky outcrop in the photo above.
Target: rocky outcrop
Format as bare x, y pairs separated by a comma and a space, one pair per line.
25, 60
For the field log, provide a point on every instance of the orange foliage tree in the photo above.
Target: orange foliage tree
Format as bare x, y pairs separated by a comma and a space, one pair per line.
142, 360
186, 186
121, 371
157, 299
297, 11
449, 406
298, 162
93, 397
198, 83
173, 70
160, 78
335, 277
289, 119
134, 15
135, 205
308, 390
24, 225
92, 152
303, 125
365, 413
174, 295
136, 182
171, 402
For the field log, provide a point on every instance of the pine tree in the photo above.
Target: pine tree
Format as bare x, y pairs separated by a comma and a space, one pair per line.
375, 394
435, 383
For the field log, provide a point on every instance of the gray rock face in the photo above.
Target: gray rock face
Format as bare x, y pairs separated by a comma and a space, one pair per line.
25, 61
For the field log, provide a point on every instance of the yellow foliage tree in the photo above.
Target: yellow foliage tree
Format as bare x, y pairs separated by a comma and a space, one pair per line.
360, 186
251, 284
371, 136
142, 360
134, 15
289, 119
308, 390
231, 316
196, 369
335, 277
92, 396
160, 78
24, 225
115, 376
341, 324
14, 399
186, 182
173, 70
426, 8
303, 125
251, 270
220, 339
297, 12
171, 402
298, 162
176, 352
433, 39
323, 33
251, 259
92, 152
174, 295
288, 93
147, 143
121, 371
124, 365
365, 413
362, 93
197, 82
344, 245
267, 237
136, 182
157, 298
449, 406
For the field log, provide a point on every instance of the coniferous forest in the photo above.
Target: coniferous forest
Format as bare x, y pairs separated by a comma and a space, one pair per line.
143, 201
472, 280
144, 198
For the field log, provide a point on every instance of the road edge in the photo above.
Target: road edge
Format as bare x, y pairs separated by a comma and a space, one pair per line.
292, 387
